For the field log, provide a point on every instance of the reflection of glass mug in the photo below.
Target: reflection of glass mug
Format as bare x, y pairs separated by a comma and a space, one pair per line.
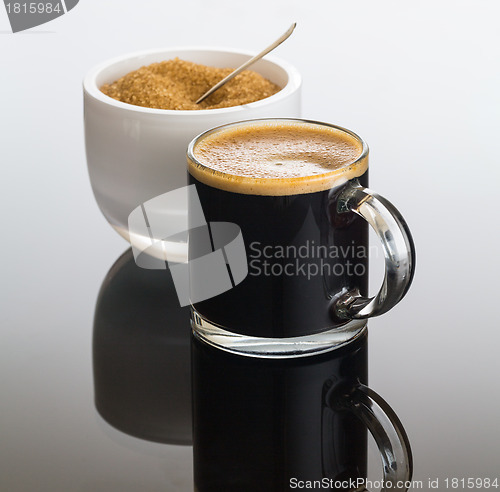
272, 425
297, 190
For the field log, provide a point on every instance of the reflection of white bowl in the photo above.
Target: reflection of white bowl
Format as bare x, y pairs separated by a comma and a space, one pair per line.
136, 153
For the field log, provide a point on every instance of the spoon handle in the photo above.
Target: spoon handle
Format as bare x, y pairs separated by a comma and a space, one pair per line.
248, 63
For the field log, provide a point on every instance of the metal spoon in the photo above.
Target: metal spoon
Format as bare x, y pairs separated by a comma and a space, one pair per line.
248, 63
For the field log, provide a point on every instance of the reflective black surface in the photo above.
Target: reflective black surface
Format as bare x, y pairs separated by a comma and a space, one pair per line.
257, 423
260, 424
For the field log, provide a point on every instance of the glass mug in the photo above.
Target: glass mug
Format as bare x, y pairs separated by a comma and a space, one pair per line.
272, 425
304, 287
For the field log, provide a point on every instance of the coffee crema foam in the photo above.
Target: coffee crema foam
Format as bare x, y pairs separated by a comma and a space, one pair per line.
277, 158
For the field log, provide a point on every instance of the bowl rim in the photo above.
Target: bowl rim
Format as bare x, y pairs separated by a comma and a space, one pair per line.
92, 90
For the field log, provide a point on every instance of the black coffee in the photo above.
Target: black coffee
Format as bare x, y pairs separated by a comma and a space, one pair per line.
279, 183
260, 424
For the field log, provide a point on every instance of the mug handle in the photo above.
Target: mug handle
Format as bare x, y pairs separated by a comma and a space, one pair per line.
399, 252
387, 430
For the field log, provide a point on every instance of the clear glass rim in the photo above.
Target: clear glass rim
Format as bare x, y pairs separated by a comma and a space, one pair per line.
275, 348
196, 140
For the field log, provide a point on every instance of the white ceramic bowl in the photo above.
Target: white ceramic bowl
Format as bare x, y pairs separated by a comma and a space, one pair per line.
135, 153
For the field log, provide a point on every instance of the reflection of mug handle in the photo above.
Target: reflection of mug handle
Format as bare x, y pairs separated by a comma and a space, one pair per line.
399, 252
386, 429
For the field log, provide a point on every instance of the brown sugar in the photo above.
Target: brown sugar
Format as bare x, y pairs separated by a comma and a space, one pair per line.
177, 84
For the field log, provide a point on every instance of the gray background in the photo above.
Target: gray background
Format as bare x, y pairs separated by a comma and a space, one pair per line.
419, 81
